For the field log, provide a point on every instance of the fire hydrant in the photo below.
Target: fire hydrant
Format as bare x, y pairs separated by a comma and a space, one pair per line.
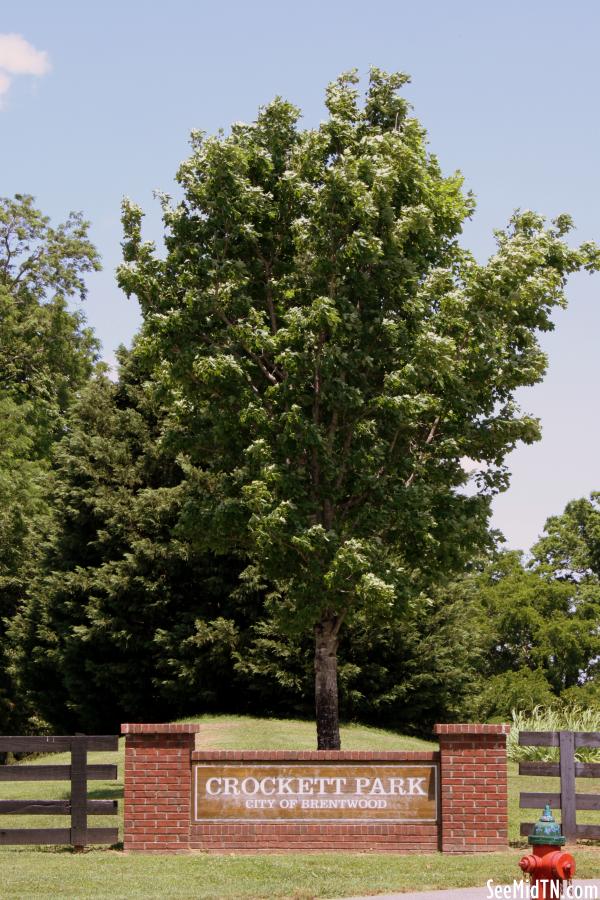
547, 867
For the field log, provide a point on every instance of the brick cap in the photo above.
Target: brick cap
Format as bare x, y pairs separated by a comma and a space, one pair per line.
161, 728
472, 728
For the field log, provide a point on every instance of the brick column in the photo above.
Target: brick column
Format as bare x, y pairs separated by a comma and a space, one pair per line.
158, 786
474, 787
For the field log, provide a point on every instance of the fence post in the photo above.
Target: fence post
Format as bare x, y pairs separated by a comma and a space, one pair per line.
567, 784
79, 792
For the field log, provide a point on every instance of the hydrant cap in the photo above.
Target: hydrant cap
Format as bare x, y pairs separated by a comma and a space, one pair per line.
546, 830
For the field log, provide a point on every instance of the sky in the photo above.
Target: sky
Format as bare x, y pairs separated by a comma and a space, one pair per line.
97, 102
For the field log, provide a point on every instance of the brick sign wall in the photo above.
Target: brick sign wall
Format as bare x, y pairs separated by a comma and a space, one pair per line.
178, 799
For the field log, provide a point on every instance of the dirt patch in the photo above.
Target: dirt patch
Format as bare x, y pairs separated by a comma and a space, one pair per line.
213, 734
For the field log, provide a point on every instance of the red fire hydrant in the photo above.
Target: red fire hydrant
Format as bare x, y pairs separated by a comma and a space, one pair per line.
547, 867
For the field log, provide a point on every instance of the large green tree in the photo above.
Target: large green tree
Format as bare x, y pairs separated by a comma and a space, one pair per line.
46, 356
335, 354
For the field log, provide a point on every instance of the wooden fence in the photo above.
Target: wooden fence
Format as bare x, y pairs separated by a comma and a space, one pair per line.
567, 800
78, 807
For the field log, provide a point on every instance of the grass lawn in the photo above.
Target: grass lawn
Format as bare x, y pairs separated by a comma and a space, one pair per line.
27, 873
102, 874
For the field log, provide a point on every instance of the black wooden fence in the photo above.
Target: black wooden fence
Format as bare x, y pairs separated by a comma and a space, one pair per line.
568, 800
78, 807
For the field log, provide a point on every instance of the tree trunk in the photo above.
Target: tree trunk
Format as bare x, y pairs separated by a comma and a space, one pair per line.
326, 686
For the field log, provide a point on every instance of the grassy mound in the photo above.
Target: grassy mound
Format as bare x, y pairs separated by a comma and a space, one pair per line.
251, 733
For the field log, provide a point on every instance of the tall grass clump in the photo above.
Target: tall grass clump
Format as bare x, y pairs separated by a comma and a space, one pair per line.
554, 718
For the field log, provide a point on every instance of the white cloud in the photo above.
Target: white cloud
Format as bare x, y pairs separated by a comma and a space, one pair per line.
19, 57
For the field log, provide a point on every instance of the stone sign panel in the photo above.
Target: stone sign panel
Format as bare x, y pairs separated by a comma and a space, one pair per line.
320, 791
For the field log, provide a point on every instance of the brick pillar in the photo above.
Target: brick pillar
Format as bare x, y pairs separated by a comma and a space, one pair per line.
158, 786
474, 787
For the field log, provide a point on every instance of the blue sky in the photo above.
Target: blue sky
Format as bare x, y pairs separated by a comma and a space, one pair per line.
507, 91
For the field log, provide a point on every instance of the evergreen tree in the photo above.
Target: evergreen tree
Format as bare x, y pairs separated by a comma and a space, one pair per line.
121, 604
403, 674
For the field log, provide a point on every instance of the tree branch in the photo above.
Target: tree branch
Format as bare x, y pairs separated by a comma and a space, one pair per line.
432, 433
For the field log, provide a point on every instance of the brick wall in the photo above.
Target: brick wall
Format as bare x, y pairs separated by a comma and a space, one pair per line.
474, 788
158, 795
158, 786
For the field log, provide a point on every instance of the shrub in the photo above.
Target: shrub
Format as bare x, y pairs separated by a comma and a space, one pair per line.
585, 695
556, 718
519, 691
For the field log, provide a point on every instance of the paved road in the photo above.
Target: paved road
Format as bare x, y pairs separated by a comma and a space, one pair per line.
478, 893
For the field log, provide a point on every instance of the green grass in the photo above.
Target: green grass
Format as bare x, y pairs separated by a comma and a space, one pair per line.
104, 873
108, 875
518, 783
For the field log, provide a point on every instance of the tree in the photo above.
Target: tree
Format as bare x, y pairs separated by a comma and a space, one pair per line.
335, 355
118, 605
538, 619
46, 355
46, 352
534, 622
23, 513
570, 548
569, 553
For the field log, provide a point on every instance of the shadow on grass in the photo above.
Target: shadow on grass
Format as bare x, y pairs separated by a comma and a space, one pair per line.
114, 793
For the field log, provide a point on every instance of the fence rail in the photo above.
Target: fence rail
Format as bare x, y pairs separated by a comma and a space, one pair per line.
567, 769
78, 807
